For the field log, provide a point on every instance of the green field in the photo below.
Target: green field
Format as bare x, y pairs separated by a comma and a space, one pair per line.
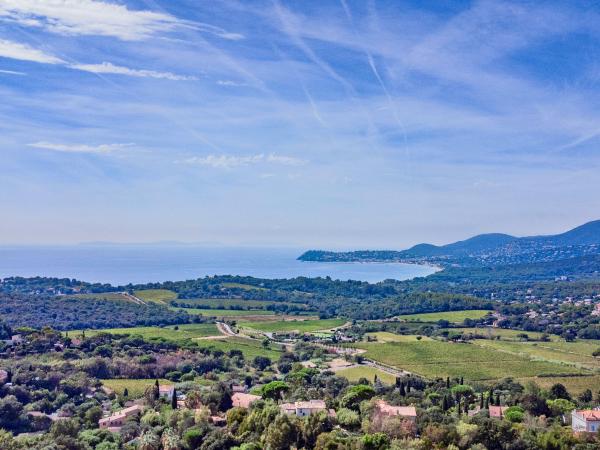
301, 326
115, 296
246, 287
385, 336
575, 385
450, 316
251, 348
355, 373
434, 359
578, 354
226, 312
187, 331
224, 303
502, 332
156, 295
135, 387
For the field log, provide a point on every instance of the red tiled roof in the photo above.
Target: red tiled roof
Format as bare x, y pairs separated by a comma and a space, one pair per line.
497, 411
389, 410
589, 414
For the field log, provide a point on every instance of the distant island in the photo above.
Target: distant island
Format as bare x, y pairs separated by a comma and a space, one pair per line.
482, 250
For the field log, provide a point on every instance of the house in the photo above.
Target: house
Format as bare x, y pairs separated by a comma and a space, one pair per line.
596, 311
3, 376
117, 420
497, 411
586, 420
243, 400
238, 388
385, 409
303, 409
165, 391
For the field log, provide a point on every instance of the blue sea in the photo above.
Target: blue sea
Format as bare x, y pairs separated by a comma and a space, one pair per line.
122, 264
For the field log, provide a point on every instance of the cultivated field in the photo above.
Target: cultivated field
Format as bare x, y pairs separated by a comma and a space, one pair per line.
434, 359
227, 312
301, 326
224, 303
251, 348
355, 373
574, 385
246, 287
135, 387
156, 295
450, 316
385, 336
503, 333
114, 296
187, 331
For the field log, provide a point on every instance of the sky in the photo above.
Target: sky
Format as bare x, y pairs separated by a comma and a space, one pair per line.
320, 124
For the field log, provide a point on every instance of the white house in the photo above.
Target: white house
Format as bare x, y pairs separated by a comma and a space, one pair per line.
116, 421
303, 409
586, 420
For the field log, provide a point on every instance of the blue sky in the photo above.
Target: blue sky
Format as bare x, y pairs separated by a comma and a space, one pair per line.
331, 124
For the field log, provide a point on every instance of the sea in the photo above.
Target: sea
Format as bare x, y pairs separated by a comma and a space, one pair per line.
137, 264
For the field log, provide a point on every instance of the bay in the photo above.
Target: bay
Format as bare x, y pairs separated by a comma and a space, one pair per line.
123, 264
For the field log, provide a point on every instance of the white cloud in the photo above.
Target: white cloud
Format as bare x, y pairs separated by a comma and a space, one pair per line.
107, 67
230, 83
87, 17
94, 17
232, 161
12, 72
79, 148
23, 52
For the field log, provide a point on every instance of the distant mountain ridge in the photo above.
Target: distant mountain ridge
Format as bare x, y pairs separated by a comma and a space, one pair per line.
491, 248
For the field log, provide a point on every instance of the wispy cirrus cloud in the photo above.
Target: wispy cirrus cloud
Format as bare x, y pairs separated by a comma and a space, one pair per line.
233, 161
100, 18
107, 67
80, 148
12, 72
23, 52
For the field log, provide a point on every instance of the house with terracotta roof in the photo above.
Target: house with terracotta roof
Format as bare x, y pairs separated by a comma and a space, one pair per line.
585, 420
497, 411
243, 400
117, 420
385, 409
303, 409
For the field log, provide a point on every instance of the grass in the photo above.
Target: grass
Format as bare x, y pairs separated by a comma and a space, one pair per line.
135, 387
450, 316
575, 385
246, 287
187, 331
156, 295
114, 296
226, 312
434, 359
385, 336
353, 374
578, 354
224, 303
301, 326
251, 348
503, 333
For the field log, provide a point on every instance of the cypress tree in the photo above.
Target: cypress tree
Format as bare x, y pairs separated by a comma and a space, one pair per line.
497, 399
481, 401
462, 380
156, 390
486, 404
174, 399
491, 396
445, 403
125, 392
402, 391
447, 382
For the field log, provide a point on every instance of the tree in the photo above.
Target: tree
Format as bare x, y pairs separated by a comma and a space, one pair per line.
558, 390
586, 396
377, 441
174, 399
261, 362
274, 390
282, 434
125, 392
596, 353
156, 390
355, 395
447, 382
